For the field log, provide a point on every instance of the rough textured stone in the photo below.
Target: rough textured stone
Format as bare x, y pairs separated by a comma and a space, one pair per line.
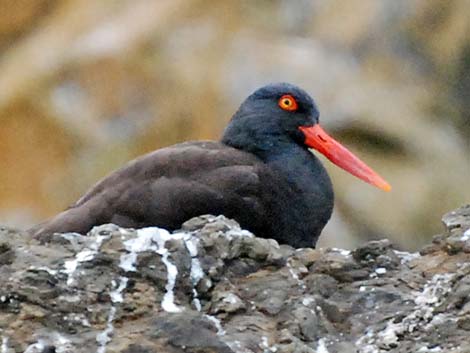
213, 287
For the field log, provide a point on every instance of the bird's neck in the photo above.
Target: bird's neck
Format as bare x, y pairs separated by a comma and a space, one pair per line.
301, 168
308, 192
264, 145
294, 162
253, 134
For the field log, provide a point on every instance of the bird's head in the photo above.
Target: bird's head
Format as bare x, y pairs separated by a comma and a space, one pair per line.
280, 114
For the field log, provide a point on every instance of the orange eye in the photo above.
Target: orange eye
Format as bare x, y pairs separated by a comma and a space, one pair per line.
287, 102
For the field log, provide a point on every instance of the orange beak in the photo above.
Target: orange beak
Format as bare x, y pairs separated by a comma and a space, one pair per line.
317, 138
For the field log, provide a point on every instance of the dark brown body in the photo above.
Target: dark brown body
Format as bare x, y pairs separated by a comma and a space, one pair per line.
288, 198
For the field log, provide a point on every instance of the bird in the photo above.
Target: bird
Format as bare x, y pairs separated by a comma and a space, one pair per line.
263, 173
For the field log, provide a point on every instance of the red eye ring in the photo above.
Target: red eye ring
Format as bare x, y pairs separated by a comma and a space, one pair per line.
287, 102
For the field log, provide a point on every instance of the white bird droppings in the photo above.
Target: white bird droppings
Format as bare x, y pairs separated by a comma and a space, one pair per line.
406, 256
168, 302
127, 262
266, 347
308, 300
196, 273
343, 252
321, 348
432, 295
466, 235
154, 239
61, 344
103, 338
295, 276
116, 295
85, 255
4, 344
381, 270
434, 290
37, 347
217, 324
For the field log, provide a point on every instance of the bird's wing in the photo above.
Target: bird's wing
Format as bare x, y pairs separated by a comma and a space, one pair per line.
169, 201
167, 187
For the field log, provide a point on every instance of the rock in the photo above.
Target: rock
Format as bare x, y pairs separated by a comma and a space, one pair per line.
308, 323
212, 287
307, 256
227, 302
458, 219
189, 332
340, 265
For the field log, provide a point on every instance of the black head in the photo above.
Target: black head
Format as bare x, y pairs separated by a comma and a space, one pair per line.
271, 116
280, 116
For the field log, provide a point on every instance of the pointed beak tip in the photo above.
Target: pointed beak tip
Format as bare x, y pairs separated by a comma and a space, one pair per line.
385, 186
388, 188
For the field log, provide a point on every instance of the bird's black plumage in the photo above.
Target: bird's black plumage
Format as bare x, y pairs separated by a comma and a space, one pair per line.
260, 173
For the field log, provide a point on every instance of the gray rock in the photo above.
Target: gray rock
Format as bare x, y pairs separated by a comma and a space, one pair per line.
226, 301
212, 287
457, 219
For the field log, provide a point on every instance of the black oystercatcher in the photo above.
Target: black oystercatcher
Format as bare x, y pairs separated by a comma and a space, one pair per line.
261, 173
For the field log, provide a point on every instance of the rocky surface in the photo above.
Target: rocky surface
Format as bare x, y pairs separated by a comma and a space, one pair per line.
213, 287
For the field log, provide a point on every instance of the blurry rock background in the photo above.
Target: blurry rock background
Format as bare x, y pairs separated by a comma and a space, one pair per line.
87, 85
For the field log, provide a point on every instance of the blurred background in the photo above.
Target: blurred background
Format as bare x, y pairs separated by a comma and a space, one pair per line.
87, 85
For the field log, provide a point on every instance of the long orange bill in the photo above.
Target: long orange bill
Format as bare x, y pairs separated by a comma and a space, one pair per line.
317, 138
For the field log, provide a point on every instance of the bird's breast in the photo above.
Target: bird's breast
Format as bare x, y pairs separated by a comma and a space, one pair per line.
301, 197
